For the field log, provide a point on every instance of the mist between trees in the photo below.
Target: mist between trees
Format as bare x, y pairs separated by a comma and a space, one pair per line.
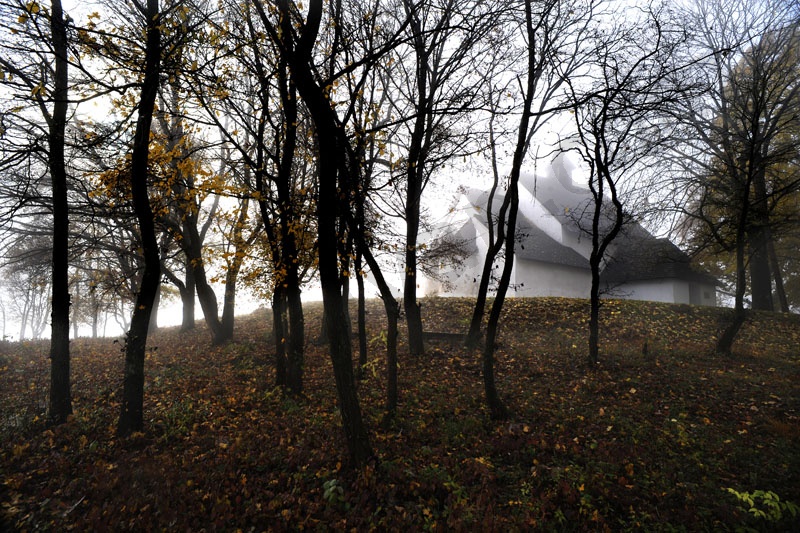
265, 146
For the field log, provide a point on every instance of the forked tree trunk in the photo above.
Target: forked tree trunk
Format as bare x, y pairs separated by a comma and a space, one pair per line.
335, 176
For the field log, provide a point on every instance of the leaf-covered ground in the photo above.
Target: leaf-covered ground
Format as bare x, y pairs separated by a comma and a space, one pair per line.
646, 441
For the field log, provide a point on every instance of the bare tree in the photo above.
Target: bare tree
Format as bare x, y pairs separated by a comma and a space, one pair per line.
620, 119
36, 61
297, 36
434, 88
554, 32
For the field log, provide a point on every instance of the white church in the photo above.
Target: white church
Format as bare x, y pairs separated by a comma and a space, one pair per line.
553, 248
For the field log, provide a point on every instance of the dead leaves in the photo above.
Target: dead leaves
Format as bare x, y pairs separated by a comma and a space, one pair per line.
640, 439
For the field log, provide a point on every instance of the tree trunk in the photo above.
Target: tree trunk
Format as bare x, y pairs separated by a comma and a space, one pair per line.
187, 300
594, 312
153, 327
332, 164
296, 348
729, 334
205, 293
495, 245
497, 410
241, 246
758, 235
361, 319
760, 272
413, 312
288, 249
229, 300
279, 328
780, 290
392, 309
132, 412
60, 405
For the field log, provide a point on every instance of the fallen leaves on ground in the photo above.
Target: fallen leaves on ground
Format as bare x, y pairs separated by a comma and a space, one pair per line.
650, 439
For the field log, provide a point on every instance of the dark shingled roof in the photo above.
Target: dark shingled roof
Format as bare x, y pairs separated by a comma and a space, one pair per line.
536, 245
642, 258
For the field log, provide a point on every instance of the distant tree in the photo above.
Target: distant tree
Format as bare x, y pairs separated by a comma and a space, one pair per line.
183, 181
28, 282
263, 123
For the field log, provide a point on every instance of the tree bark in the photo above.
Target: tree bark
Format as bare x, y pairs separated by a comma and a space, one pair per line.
332, 164
132, 412
60, 405
729, 334
187, 300
416, 344
153, 325
361, 319
392, 309
495, 245
780, 290
205, 293
760, 271
295, 359
279, 328
758, 235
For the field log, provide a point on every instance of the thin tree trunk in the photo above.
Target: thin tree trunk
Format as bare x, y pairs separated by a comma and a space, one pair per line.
780, 290
132, 411
361, 319
494, 247
392, 309
416, 344
335, 178
594, 313
729, 334
60, 406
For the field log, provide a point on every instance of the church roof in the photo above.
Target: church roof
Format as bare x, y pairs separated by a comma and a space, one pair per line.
640, 256
536, 245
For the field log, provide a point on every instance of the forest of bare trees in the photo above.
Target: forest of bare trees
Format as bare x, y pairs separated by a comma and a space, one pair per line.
152, 150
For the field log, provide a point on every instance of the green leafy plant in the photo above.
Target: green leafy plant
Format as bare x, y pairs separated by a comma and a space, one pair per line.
333, 493
765, 505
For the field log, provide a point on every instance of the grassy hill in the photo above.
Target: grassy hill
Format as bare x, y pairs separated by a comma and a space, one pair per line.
646, 441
